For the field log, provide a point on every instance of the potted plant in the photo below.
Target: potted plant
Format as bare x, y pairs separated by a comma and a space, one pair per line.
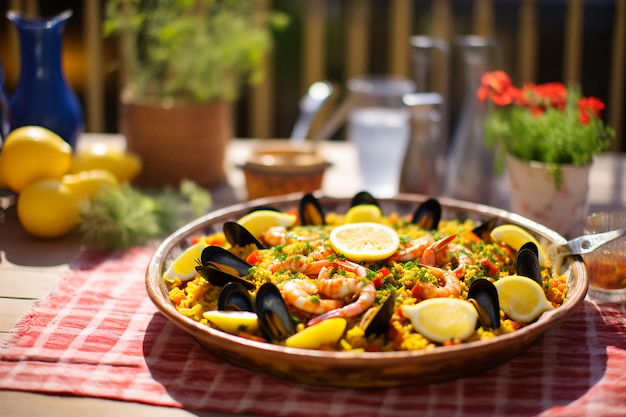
185, 62
548, 134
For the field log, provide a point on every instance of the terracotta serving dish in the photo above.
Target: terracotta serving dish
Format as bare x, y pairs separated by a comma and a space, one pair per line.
369, 369
283, 168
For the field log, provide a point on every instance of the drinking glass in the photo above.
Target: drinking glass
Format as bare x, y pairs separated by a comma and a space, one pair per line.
607, 265
379, 126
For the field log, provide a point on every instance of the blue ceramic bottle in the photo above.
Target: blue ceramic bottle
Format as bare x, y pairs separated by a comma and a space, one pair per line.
42, 96
4, 109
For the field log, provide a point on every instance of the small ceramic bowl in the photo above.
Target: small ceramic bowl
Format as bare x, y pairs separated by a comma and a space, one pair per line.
276, 169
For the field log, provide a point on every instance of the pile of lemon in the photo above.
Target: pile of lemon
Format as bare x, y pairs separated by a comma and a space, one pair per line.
52, 181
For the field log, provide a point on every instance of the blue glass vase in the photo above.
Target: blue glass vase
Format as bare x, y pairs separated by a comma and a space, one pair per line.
42, 96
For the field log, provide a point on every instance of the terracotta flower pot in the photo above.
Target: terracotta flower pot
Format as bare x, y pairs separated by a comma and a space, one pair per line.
181, 142
534, 194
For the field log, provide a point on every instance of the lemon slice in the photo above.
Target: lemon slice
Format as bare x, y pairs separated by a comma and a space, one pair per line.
515, 237
233, 321
442, 319
184, 266
326, 332
363, 213
364, 241
259, 221
521, 298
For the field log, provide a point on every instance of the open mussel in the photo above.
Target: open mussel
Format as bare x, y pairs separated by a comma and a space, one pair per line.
235, 297
484, 296
376, 320
428, 214
363, 197
484, 229
311, 211
242, 242
219, 267
275, 320
527, 262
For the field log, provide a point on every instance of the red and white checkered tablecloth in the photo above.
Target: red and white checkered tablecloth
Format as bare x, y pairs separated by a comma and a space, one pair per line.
99, 335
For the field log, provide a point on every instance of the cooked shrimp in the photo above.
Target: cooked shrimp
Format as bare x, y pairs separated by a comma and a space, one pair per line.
436, 253
414, 250
309, 261
448, 286
336, 286
301, 263
303, 295
275, 236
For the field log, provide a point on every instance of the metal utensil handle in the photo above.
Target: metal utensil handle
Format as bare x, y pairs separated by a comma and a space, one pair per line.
585, 244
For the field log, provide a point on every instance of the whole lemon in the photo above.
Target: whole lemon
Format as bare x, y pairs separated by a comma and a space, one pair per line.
48, 209
33, 153
123, 164
89, 183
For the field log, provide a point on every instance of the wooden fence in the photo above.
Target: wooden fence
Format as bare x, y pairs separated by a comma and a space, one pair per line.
261, 101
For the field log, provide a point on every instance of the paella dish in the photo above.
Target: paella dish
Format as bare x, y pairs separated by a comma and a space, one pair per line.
364, 280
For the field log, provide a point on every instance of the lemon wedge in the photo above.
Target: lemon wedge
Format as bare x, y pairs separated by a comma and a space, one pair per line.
515, 237
363, 213
364, 241
521, 298
259, 221
233, 321
442, 319
326, 332
184, 266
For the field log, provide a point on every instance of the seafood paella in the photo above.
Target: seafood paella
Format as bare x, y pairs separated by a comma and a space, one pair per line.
364, 280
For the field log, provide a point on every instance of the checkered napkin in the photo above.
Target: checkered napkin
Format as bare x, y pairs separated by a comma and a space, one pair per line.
98, 335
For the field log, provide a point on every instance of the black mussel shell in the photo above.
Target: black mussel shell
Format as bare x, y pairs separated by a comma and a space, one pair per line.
527, 262
241, 239
484, 296
274, 319
483, 230
220, 267
310, 210
235, 297
376, 320
363, 197
428, 214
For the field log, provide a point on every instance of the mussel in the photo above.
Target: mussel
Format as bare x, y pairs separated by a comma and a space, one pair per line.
241, 240
219, 267
376, 319
484, 296
275, 320
484, 229
310, 210
428, 214
235, 297
527, 262
363, 197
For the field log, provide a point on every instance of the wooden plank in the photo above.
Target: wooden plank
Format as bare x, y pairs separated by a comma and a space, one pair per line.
573, 42
262, 95
314, 62
618, 68
441, 25
94, 93
24, 404
400, 17
483, 19
357, 37
527, 41
10, 311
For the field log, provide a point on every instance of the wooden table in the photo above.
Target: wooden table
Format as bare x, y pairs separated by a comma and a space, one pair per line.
30, 268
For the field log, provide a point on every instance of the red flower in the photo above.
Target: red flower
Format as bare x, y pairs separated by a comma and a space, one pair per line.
587, 107
497, 86
540, 97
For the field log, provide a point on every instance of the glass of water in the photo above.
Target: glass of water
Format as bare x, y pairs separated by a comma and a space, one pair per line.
379, 126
